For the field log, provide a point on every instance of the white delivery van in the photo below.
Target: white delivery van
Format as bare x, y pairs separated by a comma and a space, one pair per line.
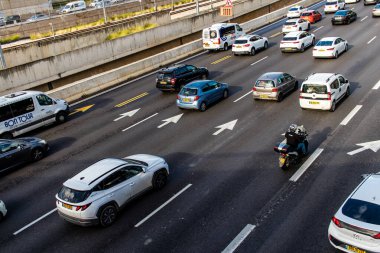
74, 6
221, 36
24, 111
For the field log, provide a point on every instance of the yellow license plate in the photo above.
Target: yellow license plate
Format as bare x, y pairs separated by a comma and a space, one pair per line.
186, 99
313, 102
162, 82
263, 96
67, 206
206, 44
354, 249
238, 46
282, 160
321, 50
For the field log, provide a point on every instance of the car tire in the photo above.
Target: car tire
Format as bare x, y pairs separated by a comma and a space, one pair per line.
336, 55
266, 45
225, 47
6, 135
225, 94
313, 42
308, 27
346, 48
348, 91
107, 215
160, 178
253, 51
279, 97
295, 88
333, 107
61, 117
302, 49
203, 107
37, 154
300, 29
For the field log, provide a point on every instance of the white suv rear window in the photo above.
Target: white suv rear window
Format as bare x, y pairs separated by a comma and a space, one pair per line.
314, 88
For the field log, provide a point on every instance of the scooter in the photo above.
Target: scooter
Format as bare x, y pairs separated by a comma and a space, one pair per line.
289, 156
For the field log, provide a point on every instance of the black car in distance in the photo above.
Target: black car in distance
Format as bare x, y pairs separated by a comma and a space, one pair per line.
173, 78
14, 152
343, 17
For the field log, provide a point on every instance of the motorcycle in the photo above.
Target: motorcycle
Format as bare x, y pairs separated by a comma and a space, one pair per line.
288, 155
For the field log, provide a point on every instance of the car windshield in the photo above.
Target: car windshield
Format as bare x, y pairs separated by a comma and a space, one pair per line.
362, 211
306, 14
189, 91
290, 23
314, 88
331, 3
265, 83
164, 75
293, 9
240, 41
73, 196
324, 43
289, 38
341, 13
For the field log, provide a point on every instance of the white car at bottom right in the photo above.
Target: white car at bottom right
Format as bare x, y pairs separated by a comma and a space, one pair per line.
330, 47
356, 225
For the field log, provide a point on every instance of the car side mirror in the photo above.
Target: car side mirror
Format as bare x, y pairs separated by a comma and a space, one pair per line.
144, 170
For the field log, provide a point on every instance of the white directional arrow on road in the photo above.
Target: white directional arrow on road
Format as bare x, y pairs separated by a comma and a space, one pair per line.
229, 125
127, 114
174, 120
372, 145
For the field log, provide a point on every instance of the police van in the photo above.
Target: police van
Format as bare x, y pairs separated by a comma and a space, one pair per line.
221, 36
24, 111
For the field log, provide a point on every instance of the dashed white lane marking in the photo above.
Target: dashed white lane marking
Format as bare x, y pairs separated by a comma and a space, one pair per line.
306, 165
162, 206
369, 42
250, 92
34, 222
259, 60
318, 28
350, 115
151, 116
239, 239
363, 18
377, 86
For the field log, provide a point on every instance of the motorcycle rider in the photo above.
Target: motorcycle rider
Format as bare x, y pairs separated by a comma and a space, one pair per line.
295, 137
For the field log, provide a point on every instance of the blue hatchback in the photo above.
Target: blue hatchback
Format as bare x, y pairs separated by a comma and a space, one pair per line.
200, 94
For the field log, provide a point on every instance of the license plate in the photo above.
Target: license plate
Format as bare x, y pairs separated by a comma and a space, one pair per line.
185, 99
263, 96
238, 46
67, 206
162, 82
354, 249
321, 50
313, 102
206, 44
282, 160
288, 48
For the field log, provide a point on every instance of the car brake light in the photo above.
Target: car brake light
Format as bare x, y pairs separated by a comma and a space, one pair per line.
274, 90
296, 42
233, 45
247, 45
254, 89
82, 208
329, 96
377, 236
294, 25
196, 98
336, 222
178, 97
172, 81
330, 49
217, 42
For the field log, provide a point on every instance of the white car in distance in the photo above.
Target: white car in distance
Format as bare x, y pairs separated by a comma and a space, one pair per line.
297, 41
249, 44
296, 11
332, 6
294, 25
330, 47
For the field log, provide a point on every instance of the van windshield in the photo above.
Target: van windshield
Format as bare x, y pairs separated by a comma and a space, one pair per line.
314, 88
73, 196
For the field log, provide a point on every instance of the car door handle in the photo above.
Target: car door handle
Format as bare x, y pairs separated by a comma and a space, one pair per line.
340, 89
131, 184
110, 195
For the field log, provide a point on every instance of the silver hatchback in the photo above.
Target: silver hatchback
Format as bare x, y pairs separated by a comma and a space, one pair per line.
274, 86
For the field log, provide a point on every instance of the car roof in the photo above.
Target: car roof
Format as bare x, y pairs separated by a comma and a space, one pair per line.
247, 36
172, 68
369, 190
198, 84
83, 180
328, 38
17, 96
319, 78
219, 25
309, 11
293, 34
270, 75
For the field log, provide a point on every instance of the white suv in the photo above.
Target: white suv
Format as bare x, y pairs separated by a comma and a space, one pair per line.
249, 44
297, 41
332, 6
323, 91
95, 195
356, 225
294, 25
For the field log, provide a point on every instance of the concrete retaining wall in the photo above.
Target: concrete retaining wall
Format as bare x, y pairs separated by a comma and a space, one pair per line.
22, 7
102, 81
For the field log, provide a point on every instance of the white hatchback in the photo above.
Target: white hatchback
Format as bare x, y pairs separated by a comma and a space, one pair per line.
3, 210
332, 6
95, 195
356, 225
294, 25
297, 41
296, 11
249, 44
330, 47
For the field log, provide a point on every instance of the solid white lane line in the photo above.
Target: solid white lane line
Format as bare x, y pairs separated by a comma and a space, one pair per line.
318, 28
350, 115
377, 86
34, 222
306, 165
250, 92
239, 239
363, 18
151, 116
162, 206
259, 60
369, 42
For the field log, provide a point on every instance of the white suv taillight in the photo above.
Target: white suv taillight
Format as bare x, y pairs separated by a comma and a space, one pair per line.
82, 208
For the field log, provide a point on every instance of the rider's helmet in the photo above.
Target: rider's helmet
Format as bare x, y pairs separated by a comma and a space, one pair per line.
293, 128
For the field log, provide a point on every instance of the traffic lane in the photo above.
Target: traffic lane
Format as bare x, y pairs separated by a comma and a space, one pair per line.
319, 195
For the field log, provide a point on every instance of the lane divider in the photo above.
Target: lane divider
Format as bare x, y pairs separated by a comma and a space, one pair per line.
151, 116
132, 99
239, 239
377, 86
369, 42
34, 222
262, 59
350, 115
363, 18
163, 205
318, 28
250, 92
221, 59
306, 165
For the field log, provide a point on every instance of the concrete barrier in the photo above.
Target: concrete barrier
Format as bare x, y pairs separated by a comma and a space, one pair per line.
86, 87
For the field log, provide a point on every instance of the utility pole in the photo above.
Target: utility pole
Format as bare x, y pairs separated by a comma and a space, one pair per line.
104, 12
197, 6
3, 65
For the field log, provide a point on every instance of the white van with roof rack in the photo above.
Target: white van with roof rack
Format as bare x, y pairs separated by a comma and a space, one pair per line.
323, 91
221, 36
24, 111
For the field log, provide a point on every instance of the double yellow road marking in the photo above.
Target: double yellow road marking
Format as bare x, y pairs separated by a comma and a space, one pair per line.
222, 59
132, 99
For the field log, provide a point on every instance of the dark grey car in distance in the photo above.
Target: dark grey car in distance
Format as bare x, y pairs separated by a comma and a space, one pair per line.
15, 152
274, 86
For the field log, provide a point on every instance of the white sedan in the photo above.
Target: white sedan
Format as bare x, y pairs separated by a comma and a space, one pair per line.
334, 6
330, 47
297, 41
3, 210
294, 25
296, 11
249, 44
